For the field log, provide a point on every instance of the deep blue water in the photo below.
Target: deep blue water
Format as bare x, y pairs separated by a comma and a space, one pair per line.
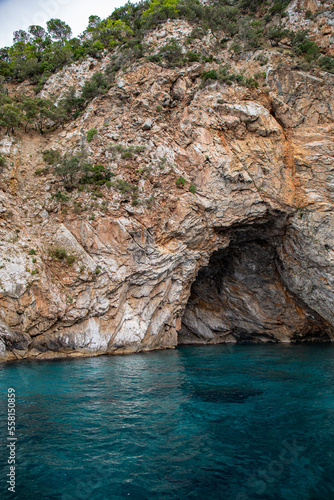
215, 422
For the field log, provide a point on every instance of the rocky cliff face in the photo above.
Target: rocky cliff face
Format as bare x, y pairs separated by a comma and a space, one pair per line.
249, 256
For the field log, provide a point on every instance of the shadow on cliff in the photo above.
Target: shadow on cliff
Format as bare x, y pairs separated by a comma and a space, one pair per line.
241, 295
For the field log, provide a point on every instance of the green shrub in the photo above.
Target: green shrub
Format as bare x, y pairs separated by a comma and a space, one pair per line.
124, 186
262, 59
2, 161
302, 45
192, 56
71, 169
276, 34
225, 76
60, 253
159, 108
78, 206
192, 188
197, 33
279, 7
252, 83
72, 104
70, 259
104, 205
126, 155
149, 202
59, 196
235, 48
97, 85
251, 32
96, 174
325, 62
180, 182
209, 58
134, 201
32, 252
237, 78
51, 156
209, 75
91, 134
155, 58
171, 53
41, 171
223, 42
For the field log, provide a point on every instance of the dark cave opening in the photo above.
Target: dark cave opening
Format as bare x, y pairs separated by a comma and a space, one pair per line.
240, 296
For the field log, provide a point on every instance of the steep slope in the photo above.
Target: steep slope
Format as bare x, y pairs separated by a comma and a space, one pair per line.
198, 171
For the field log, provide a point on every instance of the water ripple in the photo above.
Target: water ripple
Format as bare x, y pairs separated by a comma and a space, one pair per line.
214, 422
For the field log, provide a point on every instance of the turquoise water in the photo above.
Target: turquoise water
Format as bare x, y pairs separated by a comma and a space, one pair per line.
214, 422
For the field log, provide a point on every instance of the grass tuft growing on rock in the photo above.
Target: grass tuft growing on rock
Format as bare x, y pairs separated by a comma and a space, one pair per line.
180, 182
51, 156
91, 134
59, 253
2, 162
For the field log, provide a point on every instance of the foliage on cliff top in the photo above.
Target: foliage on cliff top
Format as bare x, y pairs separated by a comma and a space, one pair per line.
37, 53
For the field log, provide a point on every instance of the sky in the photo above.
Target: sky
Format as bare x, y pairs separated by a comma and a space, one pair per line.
20, 14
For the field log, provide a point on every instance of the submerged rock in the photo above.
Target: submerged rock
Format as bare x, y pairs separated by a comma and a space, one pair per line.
224, 394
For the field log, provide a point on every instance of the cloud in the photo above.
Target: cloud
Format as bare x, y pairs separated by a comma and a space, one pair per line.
20, 14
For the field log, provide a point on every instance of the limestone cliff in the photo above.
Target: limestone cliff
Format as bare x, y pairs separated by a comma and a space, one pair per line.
249, 256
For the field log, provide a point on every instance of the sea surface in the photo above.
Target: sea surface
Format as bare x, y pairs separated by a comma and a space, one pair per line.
212, 422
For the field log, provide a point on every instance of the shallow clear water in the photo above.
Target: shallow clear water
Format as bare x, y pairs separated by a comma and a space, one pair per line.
239, 423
